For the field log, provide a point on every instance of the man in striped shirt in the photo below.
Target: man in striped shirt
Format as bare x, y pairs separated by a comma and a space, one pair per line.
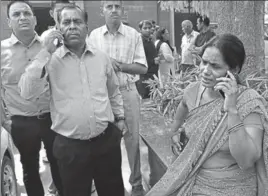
124, 46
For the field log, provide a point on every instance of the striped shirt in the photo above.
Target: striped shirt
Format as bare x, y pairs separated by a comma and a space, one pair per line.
15, 58
125, 46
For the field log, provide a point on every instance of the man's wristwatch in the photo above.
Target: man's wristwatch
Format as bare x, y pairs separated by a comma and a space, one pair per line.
119, 118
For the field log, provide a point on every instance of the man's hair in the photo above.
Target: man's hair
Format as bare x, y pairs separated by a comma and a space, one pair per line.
73, 7
54, 2
16, 1
188, 23
204, 19
145, 22
153, 22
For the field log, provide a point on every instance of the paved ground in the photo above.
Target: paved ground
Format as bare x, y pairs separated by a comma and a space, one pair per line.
46, 177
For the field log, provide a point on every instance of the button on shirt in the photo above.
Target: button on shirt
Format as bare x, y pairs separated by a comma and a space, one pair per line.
15, 58
125, 46
187, 43
80, 90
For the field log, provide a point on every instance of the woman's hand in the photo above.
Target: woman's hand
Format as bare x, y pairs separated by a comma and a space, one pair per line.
230, 89
176, 145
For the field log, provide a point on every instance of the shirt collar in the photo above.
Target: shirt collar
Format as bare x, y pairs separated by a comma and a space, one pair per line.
14, 39
191, 34
63, 50
146, 39
120, 30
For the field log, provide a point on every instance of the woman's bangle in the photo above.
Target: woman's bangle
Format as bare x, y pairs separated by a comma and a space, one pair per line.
235, 128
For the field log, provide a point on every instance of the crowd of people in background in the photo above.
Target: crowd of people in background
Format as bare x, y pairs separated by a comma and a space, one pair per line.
162, 59
79, 94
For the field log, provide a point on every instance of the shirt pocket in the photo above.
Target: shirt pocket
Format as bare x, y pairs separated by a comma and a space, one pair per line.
100, 86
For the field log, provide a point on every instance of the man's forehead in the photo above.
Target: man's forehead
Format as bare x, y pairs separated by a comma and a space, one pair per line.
20, 6
71, 14
147, 25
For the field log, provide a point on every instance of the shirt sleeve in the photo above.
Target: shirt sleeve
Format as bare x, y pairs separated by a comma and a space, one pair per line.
139, 55
114, 93
253, 120
91, 39
34, 79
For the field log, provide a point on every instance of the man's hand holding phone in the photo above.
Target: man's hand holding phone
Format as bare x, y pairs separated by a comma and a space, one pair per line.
229, 87
49, 41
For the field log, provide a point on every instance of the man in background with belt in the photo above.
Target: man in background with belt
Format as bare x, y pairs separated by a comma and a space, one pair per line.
85, 101
124, 46
30, 119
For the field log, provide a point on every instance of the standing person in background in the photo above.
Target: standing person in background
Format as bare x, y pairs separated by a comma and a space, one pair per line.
124, 46
187, 43
153, 31
205, 34
151, 57
56, 5
30, 119
165, 53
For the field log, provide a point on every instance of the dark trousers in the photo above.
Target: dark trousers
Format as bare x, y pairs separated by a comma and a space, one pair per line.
80, 161
143, 88
27, 134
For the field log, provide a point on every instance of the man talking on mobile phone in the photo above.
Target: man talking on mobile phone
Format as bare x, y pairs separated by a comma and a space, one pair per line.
86, 107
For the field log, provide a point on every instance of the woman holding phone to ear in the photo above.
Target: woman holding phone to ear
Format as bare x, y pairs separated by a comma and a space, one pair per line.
227, 149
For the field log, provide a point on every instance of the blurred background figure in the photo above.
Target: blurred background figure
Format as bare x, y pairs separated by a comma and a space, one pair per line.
205, 34
146, 27
165, 54
187, 43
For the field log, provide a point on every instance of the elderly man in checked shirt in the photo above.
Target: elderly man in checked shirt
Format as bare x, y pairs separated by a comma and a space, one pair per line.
85, 101
124, 46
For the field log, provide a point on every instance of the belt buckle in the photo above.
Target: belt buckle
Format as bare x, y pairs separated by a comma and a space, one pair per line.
41, 116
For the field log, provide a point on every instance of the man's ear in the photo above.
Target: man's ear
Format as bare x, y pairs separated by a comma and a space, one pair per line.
51, 13
123, 11
9, 22
101, 11
35, 20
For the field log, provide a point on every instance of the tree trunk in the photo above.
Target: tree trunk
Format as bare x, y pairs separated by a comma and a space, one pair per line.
245, 19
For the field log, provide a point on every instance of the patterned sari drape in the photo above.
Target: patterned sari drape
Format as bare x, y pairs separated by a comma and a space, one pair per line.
206, 127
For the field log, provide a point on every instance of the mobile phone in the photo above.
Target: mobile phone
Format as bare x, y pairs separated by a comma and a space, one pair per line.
57, 42
220, 91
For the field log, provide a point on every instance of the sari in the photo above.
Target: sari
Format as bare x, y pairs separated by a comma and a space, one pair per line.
206, 127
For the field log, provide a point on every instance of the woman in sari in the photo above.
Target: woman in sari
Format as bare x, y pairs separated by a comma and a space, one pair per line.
165, 53
226, 125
